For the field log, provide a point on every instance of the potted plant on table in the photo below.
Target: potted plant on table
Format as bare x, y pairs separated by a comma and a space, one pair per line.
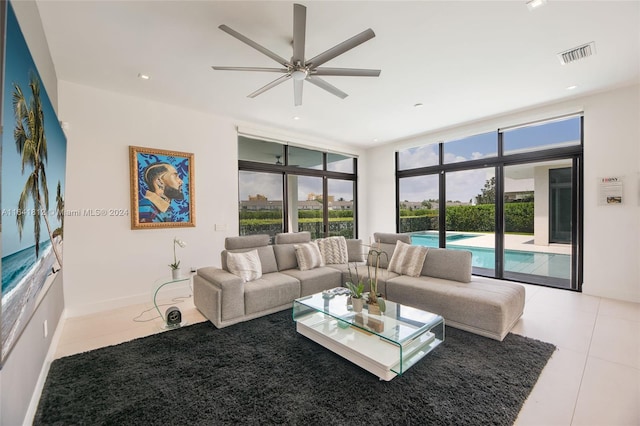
356, 287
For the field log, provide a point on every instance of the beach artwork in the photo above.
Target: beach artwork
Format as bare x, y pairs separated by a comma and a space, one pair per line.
34, 150
162, 188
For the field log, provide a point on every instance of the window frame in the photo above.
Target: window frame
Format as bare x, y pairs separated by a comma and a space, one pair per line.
573, 152
285, 170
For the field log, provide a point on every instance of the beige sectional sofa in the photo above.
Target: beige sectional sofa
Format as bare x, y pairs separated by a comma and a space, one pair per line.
444, 286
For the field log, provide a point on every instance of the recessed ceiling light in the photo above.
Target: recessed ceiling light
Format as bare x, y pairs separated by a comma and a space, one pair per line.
534, 4
571, 87
418, 105
375, 139
144, 76
296, 118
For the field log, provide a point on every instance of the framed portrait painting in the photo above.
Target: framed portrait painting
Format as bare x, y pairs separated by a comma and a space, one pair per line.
162, 188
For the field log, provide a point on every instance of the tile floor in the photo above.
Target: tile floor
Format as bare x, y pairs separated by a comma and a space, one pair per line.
592, 379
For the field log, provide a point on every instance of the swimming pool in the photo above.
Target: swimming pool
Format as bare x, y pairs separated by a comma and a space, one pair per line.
526, 262
431, 238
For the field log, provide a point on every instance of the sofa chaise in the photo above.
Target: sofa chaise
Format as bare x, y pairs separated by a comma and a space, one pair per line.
446, 286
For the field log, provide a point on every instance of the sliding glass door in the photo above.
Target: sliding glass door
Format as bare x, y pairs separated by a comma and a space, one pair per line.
471, 216
537, 222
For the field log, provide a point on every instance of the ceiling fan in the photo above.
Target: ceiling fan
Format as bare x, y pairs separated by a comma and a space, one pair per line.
298, 68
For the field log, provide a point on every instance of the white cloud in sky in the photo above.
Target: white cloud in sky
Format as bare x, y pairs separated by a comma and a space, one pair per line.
460, 186
421, 156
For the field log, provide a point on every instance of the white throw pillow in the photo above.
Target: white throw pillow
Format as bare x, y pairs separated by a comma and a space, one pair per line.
407, 259
308, 256
246, 265
333, 250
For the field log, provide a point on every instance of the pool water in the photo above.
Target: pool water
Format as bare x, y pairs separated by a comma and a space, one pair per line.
430, 238
525, 262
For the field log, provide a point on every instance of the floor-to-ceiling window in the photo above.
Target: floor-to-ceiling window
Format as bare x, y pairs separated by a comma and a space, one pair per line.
284, 188
512, 197
470, 215
533, 207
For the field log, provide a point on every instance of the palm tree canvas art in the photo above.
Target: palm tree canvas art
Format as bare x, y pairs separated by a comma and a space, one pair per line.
32, 190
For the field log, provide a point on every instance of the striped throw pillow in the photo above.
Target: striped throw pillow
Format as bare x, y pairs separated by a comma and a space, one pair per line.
333, 250
407, 259
246, 265
308, 256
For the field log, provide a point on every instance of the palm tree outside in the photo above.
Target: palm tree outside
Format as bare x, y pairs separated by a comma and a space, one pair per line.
31, 143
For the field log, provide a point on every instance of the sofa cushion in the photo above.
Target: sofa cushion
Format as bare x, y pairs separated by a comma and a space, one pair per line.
245, 265
355, 250
448, 264
308, 256
285, 256
386, 242
246, 241
333, 250
270, 291
348, 271
316, 280
293, 237
408, 259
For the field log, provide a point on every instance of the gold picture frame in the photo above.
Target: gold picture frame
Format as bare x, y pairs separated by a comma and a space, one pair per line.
162, 188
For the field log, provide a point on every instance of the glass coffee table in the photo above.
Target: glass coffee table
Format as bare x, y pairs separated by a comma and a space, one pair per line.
385, 345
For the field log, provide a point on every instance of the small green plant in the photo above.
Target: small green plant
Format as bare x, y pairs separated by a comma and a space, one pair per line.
356, 290
355, 286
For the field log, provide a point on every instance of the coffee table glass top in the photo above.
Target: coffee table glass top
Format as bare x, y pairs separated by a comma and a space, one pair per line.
398, 324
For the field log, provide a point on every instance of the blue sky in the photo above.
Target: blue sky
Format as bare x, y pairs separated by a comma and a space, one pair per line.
18, 65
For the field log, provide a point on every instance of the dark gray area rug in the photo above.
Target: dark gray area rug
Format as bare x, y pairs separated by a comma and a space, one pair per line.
262, 372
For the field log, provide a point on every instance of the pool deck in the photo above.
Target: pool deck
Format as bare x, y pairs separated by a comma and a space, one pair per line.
512, 242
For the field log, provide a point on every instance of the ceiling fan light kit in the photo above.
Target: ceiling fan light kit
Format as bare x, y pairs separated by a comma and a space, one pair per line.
299, 69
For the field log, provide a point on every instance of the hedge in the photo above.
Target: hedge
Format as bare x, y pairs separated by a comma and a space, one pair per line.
337, 226
479, 218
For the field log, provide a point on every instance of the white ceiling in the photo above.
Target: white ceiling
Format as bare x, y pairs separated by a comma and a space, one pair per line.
463, 61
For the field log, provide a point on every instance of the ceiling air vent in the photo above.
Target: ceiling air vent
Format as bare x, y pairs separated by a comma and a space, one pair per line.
577, 53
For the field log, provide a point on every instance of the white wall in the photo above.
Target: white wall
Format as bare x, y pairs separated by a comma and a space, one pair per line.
106, 263
611, 148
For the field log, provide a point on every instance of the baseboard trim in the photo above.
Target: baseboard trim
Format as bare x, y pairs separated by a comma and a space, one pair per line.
42, 378
182, 289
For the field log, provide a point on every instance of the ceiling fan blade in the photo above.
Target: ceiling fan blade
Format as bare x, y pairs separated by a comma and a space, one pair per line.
351, 72
299, 31
326, 86
341, 48
250, 69
297, 92
274, 83
255, 45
